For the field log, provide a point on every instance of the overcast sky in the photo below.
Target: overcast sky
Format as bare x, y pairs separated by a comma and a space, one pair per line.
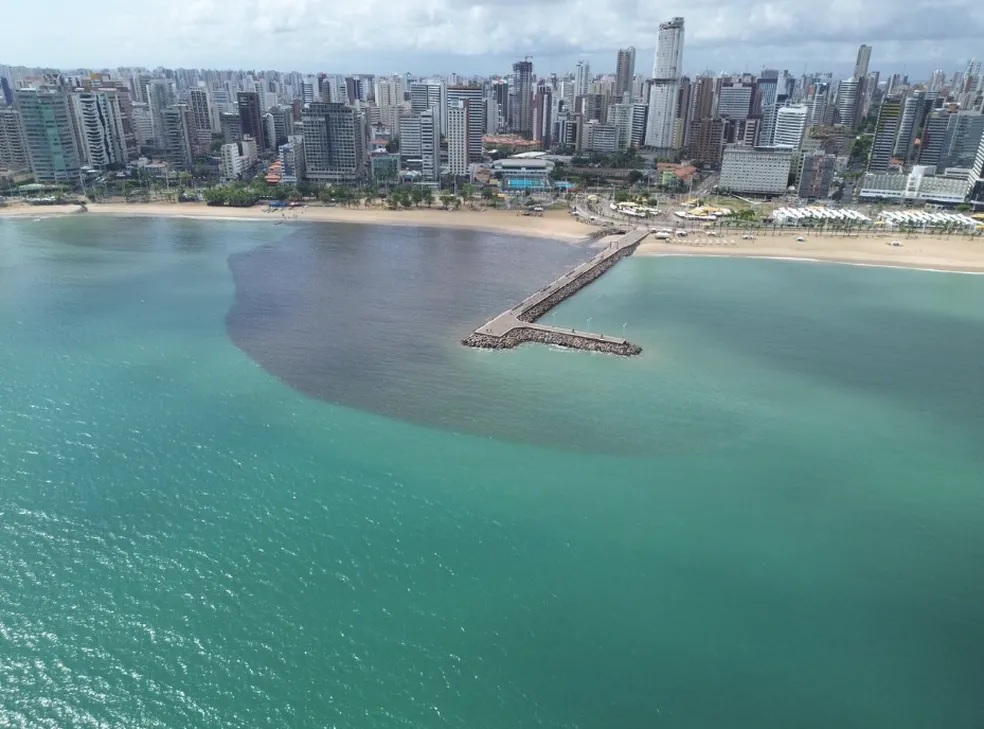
486, 36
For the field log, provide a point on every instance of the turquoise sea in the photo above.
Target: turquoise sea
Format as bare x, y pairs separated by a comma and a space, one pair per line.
249, 478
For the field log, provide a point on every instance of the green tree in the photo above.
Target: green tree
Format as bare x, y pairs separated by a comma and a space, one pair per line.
490, 196
635, 176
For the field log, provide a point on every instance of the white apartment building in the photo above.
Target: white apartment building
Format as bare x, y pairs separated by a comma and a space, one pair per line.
231, 161
665, 90
458, 138
755, 170
790, 125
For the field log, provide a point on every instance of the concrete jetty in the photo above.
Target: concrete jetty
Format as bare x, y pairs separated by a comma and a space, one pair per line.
517, 325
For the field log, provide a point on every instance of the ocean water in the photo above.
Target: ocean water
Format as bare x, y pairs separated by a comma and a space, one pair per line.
248, 478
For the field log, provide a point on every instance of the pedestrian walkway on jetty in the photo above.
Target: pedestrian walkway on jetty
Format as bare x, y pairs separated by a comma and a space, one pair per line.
517, 325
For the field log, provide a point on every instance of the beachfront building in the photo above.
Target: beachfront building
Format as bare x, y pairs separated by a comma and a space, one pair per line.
99, 122
230, 161
473, 100
920, 185
49, 131
291, 157
13, 145
519, 174
755, 170
430, 145
816, 175
335, 142
458, 136
384, 168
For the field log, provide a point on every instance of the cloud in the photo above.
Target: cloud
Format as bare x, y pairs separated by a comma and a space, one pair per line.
474, 34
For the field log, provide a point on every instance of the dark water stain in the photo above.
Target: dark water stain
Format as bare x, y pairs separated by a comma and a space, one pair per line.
370, 318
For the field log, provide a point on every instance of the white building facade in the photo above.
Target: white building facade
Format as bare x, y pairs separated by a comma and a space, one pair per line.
665, 90
755, 170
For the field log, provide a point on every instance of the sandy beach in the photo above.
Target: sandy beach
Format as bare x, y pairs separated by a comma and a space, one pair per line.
942, 253
555, 224
928, 252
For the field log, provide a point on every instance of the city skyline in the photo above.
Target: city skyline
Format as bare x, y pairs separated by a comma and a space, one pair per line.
471, 38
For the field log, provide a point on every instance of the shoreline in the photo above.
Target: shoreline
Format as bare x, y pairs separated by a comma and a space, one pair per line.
553, 224
919, 252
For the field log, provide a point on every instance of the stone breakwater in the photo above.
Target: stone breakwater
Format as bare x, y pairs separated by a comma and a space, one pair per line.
516, 326
551, 335
566, 290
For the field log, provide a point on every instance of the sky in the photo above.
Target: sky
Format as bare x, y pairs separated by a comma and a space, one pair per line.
486, 36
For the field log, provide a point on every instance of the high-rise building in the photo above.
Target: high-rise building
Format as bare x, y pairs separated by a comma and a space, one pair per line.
933, 138
251, 117
861, 65
790, 126
917, 104
768, 87
638, 135
179, 130
230, 126
707, 141
99, 122
431, 95
620, 115
624, 71
849, 101
143, 124
473, 97
335, 141
582, 78
201, 117
458, 138
886, 132
49, 131
522, 122
963, 138
159, 95
543, 115
389, 97
430, 145
13, 145
664, 91
735, 100
816, 174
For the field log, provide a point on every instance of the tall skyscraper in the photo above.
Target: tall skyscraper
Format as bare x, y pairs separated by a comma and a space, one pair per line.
664, 92
861, 65
523, 88
624, 71
582, 78
251, 117
198, 103
49, 130
458, 137
543, 114
179, 130
430, 145
917, 104
886, 132
99, 122
335, 140
13, 145
159, 96
473, 97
